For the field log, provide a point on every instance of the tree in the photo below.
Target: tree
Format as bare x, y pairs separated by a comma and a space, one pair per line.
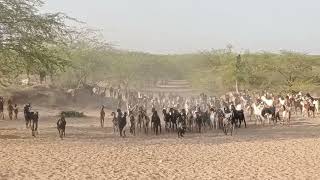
238, 70
31, 37
295, 70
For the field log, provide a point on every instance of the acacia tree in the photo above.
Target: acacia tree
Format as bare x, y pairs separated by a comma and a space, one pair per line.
239, 71
222, 64
223, 69
31, 37
295, 70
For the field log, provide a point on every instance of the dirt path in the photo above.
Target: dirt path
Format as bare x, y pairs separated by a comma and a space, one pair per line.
90, 152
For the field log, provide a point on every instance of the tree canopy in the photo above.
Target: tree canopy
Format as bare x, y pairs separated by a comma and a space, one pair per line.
29, 40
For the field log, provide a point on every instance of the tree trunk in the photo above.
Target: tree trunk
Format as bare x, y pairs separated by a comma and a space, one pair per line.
28, 76
51, 79
237, 90
42, 76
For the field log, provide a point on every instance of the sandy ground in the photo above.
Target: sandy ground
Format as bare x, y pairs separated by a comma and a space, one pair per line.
90, 152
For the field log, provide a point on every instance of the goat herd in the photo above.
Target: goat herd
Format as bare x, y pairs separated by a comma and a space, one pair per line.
203, 113
194, 114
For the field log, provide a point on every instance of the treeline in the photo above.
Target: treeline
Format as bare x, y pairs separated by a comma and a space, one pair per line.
32, 43
210, 71
284, 71
129, 69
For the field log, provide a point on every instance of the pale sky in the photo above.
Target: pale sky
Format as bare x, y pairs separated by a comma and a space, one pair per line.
186, 26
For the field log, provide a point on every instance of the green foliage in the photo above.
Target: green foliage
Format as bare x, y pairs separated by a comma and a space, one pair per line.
30, 41
286, 71
213, 71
